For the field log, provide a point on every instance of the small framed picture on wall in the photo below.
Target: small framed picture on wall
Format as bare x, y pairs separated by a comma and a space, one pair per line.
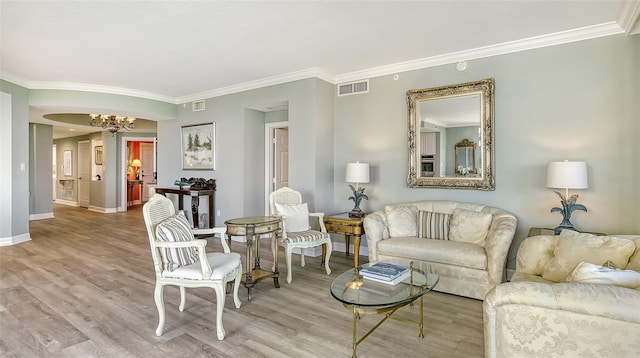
98, 155
67, 163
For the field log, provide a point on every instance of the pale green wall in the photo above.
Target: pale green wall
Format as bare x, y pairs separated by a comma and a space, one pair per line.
239, 147
578, 101
14, 221
40, 154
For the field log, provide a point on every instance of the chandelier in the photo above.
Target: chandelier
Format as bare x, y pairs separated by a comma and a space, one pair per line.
112, 123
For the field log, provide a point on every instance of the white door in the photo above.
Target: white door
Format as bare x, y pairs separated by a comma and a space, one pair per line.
147, 169
281, 158
84, 173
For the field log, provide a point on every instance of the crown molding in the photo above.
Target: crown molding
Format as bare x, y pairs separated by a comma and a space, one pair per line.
626, 24
558, 38
84, 87
264, 82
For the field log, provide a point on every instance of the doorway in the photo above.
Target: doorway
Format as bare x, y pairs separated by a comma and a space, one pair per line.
276, 158
130, 187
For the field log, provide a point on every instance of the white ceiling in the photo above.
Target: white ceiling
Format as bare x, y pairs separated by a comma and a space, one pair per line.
180, 51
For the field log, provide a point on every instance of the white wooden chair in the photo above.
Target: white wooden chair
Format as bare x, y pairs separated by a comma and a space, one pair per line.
296, 231
181, 260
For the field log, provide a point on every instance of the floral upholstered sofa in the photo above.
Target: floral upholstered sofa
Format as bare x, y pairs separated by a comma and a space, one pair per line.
572, 295
465, 243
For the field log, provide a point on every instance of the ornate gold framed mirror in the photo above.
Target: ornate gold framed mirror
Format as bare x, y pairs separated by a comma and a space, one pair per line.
451, 136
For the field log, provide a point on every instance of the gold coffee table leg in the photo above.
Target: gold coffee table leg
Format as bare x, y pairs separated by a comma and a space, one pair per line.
421, 324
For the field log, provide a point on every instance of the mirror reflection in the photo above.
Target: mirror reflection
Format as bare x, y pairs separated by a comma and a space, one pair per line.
451, 136
466, 158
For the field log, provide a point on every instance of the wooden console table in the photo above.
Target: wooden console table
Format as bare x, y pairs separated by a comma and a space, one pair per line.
252, 228
195, 195
343, 224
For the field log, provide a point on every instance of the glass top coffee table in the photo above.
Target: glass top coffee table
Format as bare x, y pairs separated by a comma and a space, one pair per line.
364, 296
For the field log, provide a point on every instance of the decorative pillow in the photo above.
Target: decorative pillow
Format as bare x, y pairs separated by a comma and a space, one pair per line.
574, 247
469, 226
402, 220
173, 229
590, 273
433, 225
296, 216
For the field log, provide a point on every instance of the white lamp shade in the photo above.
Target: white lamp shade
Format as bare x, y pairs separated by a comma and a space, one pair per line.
567, 175
136, 163
357, 172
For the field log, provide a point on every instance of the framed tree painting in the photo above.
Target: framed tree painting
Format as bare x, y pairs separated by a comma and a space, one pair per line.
198, 146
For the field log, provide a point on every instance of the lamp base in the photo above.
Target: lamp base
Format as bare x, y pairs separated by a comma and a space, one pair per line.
356, 213
562, 226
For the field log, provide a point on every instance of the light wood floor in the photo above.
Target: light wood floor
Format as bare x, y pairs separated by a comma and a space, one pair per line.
83, 287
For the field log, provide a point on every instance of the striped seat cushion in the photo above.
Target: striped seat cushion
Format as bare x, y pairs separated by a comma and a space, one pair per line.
304, 236
432, 225
173, 229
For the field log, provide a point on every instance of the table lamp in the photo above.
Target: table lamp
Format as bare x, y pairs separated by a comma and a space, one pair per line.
357, 173
567, 175
136, 164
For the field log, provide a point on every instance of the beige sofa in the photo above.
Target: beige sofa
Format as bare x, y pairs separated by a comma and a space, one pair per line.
562, 301
470, 262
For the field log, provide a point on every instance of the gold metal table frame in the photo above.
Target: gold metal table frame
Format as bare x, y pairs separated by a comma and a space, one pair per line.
251, 228
414, 288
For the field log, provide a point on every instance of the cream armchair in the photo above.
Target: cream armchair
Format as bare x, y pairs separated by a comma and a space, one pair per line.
181, 260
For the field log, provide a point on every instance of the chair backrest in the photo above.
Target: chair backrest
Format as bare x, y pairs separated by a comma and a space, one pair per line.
154, 211
284, 195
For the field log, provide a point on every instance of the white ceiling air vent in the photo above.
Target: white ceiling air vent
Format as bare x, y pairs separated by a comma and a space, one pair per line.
197, 106
346, 89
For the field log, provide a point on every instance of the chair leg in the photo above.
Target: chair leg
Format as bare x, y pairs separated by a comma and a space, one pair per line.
326, 259
302, 257
236, 286
183, 298
220, 297
159, 298
288, 251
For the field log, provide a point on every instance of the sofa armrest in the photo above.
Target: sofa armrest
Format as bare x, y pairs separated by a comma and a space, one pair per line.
376, 229
499, 239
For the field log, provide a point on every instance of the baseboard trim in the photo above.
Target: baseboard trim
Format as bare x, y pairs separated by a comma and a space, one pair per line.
41, 216
100, 209
66, 202
13, 240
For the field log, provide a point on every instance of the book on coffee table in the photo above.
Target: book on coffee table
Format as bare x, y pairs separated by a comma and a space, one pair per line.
386, 272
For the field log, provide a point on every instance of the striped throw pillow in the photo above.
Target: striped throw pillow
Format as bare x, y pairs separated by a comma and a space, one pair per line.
433, 225
173, 229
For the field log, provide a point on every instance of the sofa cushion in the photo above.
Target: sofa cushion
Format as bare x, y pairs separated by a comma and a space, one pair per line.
445, 252
589, 273
175, 229
432, 225
402, 220
574, 247
469, 226
296, 216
